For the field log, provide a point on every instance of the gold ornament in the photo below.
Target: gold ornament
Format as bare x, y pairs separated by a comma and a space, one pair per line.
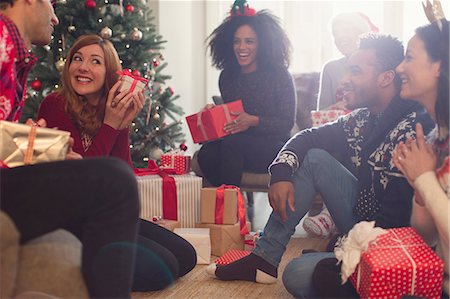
60, 65
71, 29
123, 36
136, 34
106, 32
152, 73
156, 116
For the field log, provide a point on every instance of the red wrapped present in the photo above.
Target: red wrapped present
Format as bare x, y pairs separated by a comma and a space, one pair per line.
322, 117
231, 256
176, 160
208, 124
398, 263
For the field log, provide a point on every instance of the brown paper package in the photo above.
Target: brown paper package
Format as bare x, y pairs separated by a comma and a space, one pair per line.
208, 206
224, 237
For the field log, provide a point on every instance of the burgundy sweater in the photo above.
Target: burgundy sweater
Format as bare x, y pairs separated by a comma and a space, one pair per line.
107, 142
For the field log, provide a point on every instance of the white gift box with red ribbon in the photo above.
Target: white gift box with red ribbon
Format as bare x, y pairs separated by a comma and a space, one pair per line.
322, 117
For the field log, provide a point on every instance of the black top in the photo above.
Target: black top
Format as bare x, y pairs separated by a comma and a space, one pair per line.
384, 194
270, 95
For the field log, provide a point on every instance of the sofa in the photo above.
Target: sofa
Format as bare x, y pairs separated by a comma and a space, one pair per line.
50, 264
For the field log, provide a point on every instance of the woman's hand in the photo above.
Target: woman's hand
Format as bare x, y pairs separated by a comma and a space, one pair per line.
134, 109
415, 157
117, 105
242, 122
71, 155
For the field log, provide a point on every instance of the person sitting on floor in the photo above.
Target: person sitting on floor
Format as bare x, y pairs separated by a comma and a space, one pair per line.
357, 183
90, 107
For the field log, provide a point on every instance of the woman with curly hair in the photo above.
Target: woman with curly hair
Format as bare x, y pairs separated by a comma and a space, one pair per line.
252, 50
91, 107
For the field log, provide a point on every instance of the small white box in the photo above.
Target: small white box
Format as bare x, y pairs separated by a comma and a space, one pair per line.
200, 240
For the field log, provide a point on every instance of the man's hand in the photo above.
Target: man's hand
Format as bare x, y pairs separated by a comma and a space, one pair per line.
279, 193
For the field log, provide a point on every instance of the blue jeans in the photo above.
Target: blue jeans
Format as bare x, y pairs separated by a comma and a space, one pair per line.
297, 276
322, 173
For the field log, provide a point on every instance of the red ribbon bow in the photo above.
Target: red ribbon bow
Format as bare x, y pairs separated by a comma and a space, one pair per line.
170, 205
220, 201
136, 79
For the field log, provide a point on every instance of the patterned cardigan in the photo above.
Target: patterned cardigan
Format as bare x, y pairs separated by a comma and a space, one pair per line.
384, 194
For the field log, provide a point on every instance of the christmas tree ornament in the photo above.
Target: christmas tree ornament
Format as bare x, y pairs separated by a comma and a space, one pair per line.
106, 32
183, 147
155, 62
63, 2
156, 116
60, 65
71, 29
90, 4
170, 90
36, 85
129, 8
47, 48
123, 36
155, 153
136, 73
152, 73
141, 14
136, 34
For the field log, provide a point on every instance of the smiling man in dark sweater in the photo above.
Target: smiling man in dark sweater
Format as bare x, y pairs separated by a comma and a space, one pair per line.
348, 162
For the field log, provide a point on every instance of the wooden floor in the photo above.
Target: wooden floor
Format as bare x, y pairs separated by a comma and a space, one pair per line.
198, 284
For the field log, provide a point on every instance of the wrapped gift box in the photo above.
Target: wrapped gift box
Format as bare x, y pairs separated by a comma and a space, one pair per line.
177, 161
200, 240
22, 144
398, 263
231, 256
188, 197
133, 83
208, 206
208, 124
322, 117
224, 237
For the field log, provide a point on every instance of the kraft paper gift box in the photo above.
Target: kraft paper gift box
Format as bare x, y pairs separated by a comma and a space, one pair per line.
200, 240
322, 117
208, 206
224, 237
177, 161
250, 240
207, 124
22, 144
131, 82
398, 263
188, 188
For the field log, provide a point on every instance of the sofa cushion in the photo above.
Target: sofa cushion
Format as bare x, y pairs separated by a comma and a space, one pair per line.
9, 252
52, 264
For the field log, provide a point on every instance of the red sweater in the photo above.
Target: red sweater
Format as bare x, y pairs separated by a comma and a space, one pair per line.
107, 142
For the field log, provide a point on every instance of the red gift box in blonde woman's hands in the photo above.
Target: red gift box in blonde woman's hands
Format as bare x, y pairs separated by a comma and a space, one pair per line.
208, 124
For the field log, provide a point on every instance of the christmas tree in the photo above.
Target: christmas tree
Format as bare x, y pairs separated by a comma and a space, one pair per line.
128, 25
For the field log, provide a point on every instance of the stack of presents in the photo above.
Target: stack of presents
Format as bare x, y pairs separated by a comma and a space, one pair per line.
213, 220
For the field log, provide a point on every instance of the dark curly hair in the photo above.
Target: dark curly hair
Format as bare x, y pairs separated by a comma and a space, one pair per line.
389, 52
274, 47
436, 42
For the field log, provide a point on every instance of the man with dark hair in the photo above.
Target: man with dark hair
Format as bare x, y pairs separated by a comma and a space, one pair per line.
97, 199
348, 162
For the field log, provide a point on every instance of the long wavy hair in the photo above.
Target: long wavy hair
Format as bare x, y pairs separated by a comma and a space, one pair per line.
436, 40
274, 47
87, 117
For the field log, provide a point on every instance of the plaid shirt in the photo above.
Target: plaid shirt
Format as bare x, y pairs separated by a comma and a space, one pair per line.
15, 63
